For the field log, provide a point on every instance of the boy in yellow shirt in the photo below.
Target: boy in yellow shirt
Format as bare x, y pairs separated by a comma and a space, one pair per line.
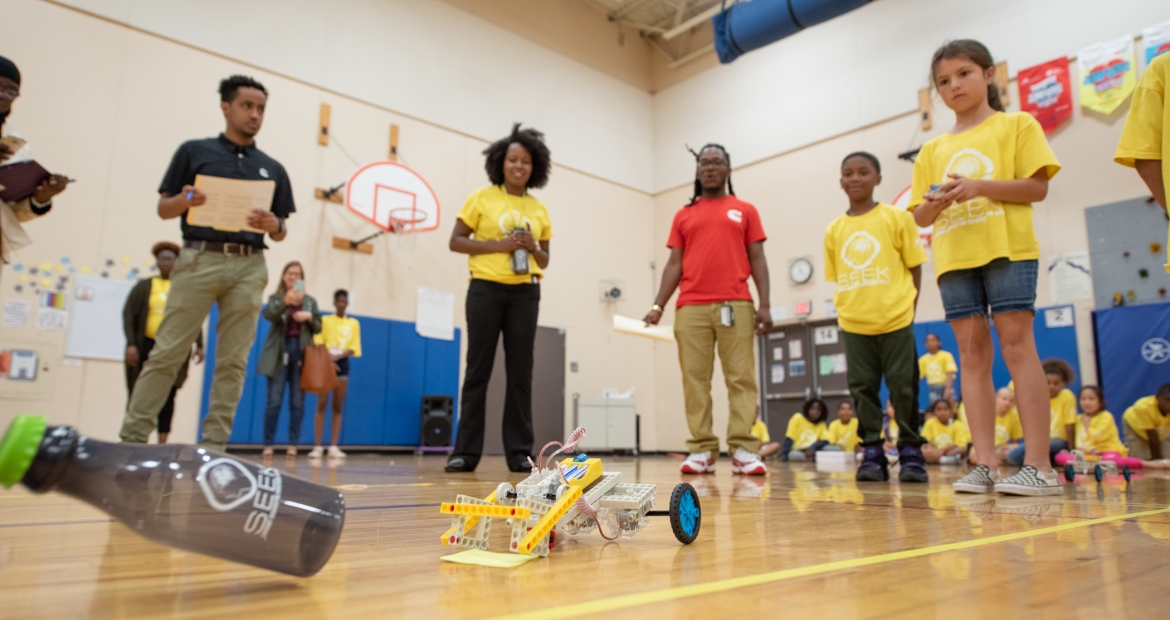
948, 437
1063, 405
1147, 426
806, 432
939, 369
1145, 140
873, 255
843, 430
342, 335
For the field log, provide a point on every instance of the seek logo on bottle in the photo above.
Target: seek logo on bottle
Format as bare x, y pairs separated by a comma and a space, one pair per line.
227, 485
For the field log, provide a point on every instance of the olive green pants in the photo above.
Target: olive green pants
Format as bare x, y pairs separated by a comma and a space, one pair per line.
199, 280
699, 334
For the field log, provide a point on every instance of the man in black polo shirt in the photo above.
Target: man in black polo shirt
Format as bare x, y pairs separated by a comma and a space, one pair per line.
214, 267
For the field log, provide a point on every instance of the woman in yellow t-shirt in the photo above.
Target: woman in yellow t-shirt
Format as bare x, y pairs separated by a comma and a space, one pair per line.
975, 185
141, 317
505, 231
342, 335
807, 432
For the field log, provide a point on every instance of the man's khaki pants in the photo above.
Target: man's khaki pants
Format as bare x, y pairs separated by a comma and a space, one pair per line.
699, 333
199, 280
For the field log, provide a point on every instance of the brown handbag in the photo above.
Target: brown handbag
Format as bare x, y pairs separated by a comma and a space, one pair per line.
318, 374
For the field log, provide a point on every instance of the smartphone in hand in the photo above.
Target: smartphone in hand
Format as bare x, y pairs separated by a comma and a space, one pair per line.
299, 286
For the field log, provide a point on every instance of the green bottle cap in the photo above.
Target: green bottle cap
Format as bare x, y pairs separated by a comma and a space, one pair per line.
19, 446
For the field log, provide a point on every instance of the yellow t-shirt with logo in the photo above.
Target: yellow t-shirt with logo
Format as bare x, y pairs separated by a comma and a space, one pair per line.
946, 435
340, 334
159, 289
1147, 128
492, 214
804, 433
870, 257
844, 435
1064, 412
1003, 147
1100, 434
1008, 428
935, 366
1144, 416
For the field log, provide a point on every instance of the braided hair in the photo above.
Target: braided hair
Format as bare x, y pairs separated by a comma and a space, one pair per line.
699, 186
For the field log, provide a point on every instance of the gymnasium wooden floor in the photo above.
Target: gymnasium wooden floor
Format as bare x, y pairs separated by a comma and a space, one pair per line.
799, 543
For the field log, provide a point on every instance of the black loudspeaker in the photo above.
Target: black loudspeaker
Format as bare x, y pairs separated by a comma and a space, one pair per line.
438, 417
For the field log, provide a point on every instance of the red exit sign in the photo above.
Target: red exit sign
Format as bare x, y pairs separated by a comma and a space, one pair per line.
803, 308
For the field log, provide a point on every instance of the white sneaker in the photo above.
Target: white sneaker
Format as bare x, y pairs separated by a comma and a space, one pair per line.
336, 453
700, 463
979, 480
1030, 481
747, 463
315, 453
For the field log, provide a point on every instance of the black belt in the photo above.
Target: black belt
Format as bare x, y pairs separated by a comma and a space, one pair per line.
220, 247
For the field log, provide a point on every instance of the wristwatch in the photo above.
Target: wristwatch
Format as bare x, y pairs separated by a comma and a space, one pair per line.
656, 308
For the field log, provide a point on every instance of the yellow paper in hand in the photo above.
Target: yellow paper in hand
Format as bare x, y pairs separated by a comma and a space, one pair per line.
230, 202
636, 327
487, 558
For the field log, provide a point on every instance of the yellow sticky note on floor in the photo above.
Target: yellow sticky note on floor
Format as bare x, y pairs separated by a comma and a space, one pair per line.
487, 558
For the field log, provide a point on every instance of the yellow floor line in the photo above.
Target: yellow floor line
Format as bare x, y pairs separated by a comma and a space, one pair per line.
670, 594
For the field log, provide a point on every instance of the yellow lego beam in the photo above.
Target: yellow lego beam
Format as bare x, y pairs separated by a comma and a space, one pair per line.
471, 521
549, 520
477, 510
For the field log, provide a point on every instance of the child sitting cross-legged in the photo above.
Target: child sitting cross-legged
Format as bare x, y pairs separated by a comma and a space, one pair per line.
948, 438
760, 430
806, 432
843, 431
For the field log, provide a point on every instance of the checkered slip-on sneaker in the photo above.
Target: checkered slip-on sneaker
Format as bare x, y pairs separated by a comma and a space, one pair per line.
1030, 481
979, 480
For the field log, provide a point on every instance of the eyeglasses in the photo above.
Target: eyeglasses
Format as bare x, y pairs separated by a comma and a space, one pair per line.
9, 93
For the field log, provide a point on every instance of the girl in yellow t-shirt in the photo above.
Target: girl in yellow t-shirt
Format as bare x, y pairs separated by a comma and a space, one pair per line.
975, 185
1096, 429
948, 438
806, 433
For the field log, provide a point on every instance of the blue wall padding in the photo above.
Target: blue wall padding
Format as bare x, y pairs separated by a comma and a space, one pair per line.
1051, 342
386, 386
747, 26
1121, 335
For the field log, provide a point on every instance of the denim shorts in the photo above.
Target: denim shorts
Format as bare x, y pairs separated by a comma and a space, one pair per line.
1001, 285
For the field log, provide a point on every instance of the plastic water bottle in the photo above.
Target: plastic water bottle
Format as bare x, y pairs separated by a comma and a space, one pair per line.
519, 259
188, 497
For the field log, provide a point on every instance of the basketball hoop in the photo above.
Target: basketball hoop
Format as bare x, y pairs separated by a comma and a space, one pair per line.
403, 222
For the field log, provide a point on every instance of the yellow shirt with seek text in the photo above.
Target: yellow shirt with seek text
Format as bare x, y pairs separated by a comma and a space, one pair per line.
492, 214
844, 435
340, 334
159, 289
804, 433
1100, 434
1008, 428
1147, 128
935, 366
869, 257
1003, 147
944, 436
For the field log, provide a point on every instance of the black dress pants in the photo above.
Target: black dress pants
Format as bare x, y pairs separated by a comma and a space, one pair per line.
494, 308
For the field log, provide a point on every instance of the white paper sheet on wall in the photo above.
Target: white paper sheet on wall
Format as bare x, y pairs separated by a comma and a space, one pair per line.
435, 314
1069, 277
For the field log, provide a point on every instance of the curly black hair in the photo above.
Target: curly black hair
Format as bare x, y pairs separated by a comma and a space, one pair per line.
229, 86
1059, 368
808, 405
533, 141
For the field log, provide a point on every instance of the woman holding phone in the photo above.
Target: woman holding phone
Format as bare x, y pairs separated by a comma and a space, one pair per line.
294, 319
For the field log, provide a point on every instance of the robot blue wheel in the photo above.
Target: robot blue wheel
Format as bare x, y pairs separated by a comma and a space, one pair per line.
686, 514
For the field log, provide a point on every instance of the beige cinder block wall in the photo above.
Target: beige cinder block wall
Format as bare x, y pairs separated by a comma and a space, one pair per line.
109, 104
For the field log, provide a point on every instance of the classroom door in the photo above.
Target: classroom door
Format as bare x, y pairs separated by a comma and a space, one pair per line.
548, 393
785, 378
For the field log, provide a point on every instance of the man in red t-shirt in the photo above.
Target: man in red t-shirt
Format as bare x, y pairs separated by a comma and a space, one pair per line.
716, 243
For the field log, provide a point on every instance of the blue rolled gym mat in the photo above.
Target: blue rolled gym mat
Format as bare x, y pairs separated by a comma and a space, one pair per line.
751, 25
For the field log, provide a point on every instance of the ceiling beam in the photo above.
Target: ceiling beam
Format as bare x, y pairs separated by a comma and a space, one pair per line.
692, 22
628, 7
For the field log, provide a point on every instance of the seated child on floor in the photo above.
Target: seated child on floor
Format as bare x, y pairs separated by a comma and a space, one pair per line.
948, 437
760, 431
806, 432
843, 430
1097, 429
1063, 404
1008, 431
890, 433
